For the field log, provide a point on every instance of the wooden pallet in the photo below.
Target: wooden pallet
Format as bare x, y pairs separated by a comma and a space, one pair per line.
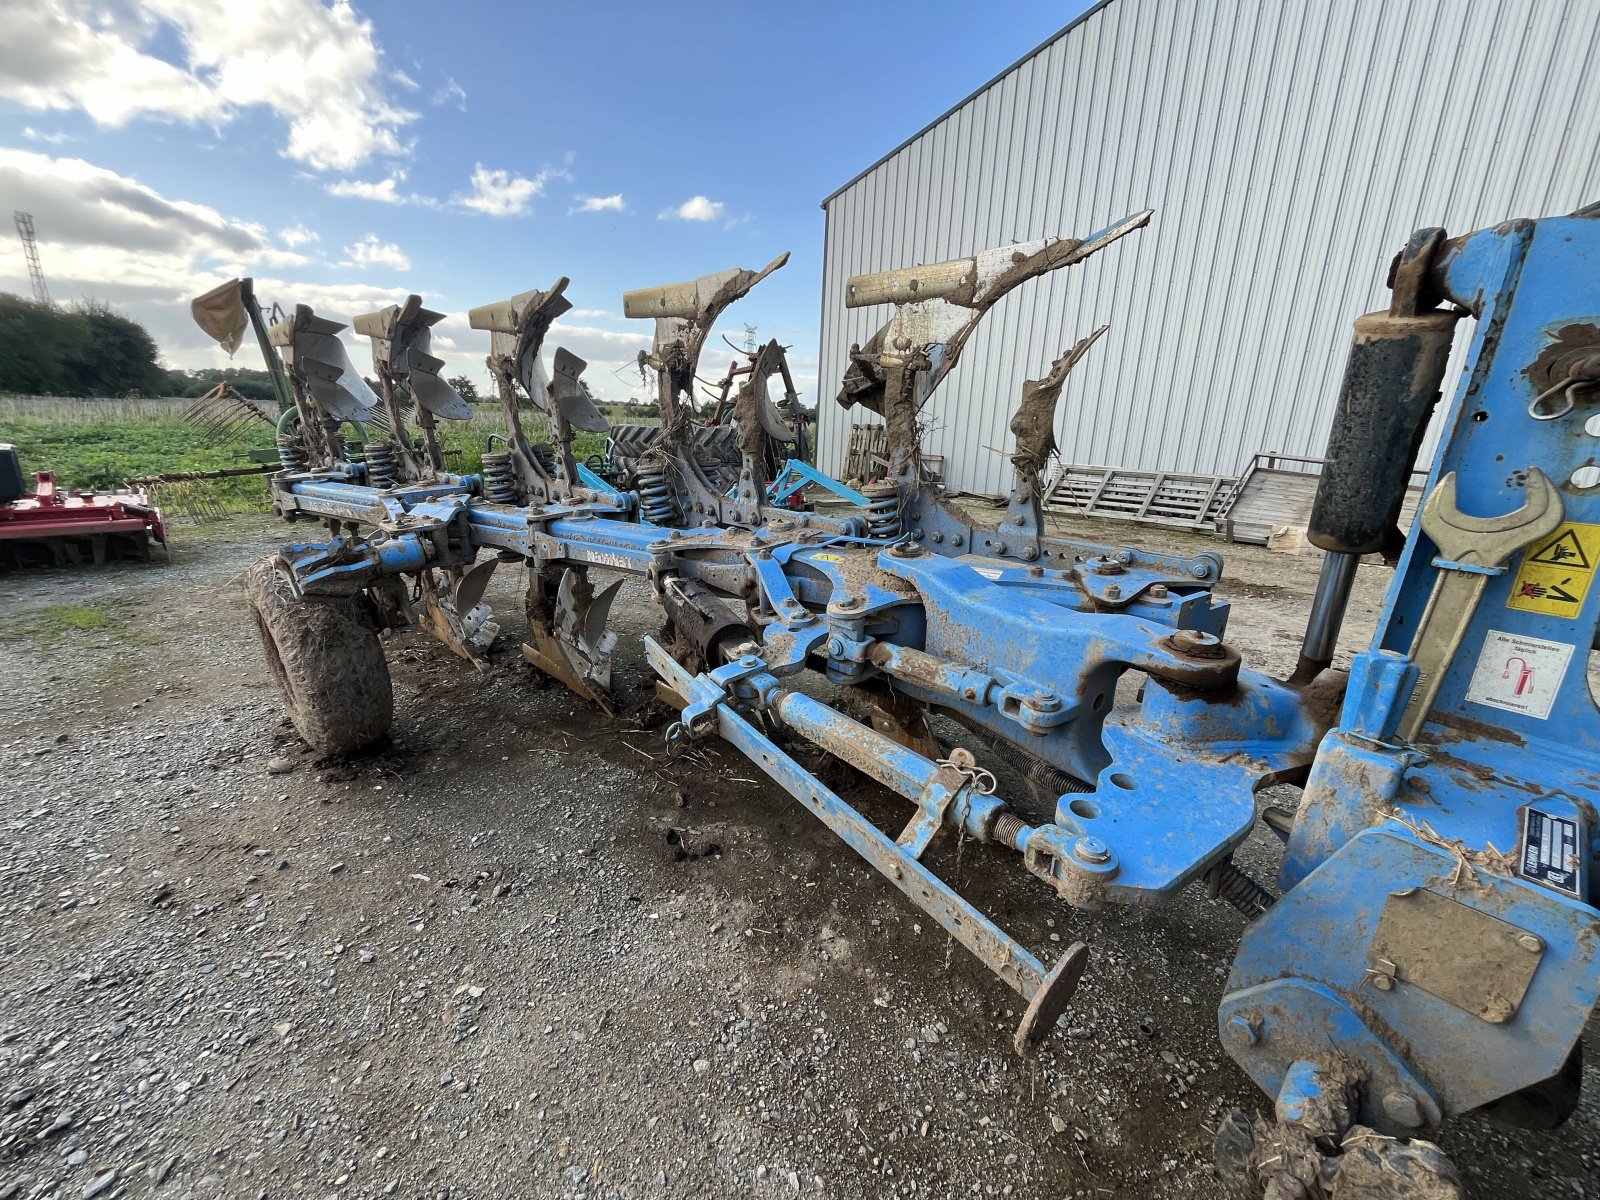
1278, 490
1150, 497
869, 443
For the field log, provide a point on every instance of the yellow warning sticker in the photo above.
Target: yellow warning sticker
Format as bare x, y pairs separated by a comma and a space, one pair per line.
824, 556
1556, 572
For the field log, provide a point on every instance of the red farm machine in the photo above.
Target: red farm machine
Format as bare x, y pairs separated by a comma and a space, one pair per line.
50, 527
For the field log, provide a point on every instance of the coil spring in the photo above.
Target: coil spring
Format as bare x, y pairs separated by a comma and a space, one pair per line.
1047, 783
291, 455
657, 503
381, 466
1227, 882
499, 485
883, 511
547, 459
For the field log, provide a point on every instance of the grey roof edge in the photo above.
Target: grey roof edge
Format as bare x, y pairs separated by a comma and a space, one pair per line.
966, 100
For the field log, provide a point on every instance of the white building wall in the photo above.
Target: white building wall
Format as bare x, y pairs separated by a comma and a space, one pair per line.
1289, 148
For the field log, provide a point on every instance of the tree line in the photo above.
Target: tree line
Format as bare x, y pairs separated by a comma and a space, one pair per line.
89, 349
82, 349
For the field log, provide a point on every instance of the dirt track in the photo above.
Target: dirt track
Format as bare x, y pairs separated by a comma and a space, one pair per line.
520, 952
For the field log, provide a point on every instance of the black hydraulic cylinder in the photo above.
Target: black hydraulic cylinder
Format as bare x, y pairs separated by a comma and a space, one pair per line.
1391, 385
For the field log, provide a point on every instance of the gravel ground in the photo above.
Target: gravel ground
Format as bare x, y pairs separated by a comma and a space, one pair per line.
520, 952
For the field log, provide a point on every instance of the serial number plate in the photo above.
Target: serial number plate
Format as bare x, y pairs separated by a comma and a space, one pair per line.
1550, 851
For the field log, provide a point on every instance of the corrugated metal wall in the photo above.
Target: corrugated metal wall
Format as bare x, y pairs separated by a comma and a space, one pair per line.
1289, 147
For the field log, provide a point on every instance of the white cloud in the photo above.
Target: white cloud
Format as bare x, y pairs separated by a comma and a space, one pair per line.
501, 193
53, 139
297, 235
370, 252
77, 203
696, 208
384, 191
450, 93
404, 80
59, 55
589, 312
588, 204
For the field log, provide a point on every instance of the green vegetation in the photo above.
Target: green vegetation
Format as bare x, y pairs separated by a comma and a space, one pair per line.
84, 349
92, 444
95, 446
49, 626
251, 383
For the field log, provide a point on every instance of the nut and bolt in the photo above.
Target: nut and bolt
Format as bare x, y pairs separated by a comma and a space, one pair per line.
1124, 556
1158, 591
1191, 641
1092, 850
1244, 1029
1200, 570
1113, 592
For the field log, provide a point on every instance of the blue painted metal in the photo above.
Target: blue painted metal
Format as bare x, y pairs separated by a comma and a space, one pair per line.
1026, 637
1380, 816
796, 476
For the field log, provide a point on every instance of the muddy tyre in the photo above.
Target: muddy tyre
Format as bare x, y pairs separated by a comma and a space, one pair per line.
326, 659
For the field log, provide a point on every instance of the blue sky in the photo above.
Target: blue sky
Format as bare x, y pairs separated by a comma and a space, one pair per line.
346, 154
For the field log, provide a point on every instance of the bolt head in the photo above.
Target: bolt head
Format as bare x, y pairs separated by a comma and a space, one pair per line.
1384, 983
1531, 942
750, 661
1124, 556
1401, 1108
1113, 592
1243, 1030
1199, 570
1092, 850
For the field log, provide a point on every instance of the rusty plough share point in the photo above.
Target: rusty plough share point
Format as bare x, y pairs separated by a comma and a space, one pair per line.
1431, 945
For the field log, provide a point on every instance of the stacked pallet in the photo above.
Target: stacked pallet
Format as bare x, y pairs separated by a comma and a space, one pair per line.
867, 451
1275, 495
1149, 497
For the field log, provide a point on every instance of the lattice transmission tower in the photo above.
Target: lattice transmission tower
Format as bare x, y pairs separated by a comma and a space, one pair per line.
31, 249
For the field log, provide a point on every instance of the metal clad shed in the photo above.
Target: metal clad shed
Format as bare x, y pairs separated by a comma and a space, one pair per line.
1289, 148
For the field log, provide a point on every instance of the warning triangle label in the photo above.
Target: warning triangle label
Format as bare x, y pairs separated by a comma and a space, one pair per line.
1563, 550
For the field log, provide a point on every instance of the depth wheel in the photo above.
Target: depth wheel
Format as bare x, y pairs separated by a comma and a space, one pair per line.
326, 659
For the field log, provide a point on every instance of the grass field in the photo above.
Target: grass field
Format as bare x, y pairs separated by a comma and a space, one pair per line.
96, 444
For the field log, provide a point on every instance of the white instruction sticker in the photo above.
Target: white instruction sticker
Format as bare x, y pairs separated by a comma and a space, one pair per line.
1519, 674
989, 572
